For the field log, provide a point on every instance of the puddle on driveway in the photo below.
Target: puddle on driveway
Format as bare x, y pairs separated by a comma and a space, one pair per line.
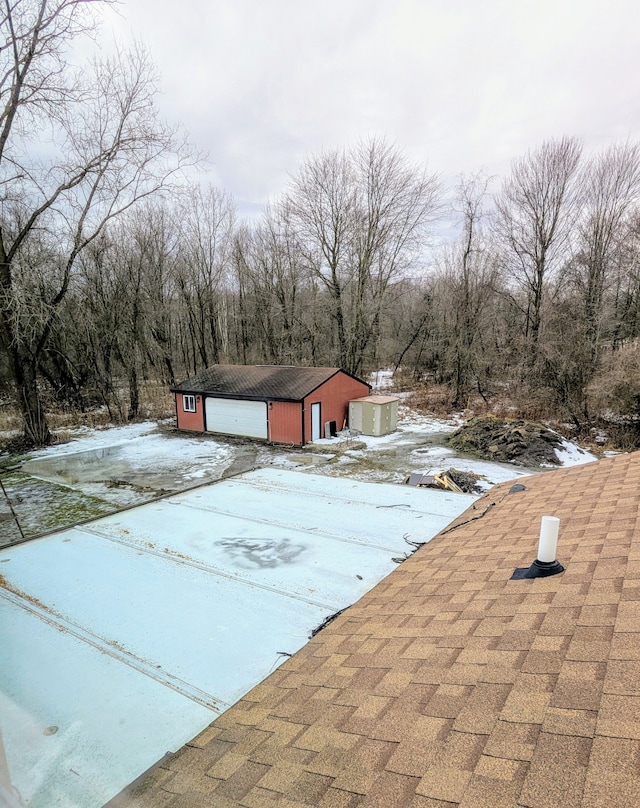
125, 475
91, 466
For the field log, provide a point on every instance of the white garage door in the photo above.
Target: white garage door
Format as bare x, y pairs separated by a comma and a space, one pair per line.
234, 417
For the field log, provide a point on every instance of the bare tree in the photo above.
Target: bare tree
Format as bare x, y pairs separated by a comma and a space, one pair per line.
410, 320
207, 219
99, 149
277, 288
100, 292
134, 263
611, 198
362, 217
626, 304
322, 203
535, 212
159, 285
116, 329
469, 275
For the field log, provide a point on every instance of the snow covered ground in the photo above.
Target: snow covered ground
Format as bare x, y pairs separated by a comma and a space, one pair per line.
104, 469
120, 464
418, 445
572, 455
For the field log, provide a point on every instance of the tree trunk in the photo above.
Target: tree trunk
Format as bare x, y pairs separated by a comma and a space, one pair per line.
23, 369
36, 428
134, 394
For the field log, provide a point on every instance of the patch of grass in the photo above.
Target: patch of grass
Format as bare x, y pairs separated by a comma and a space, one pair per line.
156, 403
69, 510
402, 381
43, 506
10, 420
433, 400
62, 436
14, 445
10, 463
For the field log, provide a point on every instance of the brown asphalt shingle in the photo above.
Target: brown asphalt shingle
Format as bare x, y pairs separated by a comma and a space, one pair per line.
258, 381
449, 684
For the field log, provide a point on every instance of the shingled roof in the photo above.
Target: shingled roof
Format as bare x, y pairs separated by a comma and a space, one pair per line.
257, 381
450, 684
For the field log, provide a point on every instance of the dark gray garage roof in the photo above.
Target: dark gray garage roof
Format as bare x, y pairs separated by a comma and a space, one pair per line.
258, 381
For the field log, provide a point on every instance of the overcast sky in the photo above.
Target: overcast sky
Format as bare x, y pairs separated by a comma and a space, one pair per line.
458, 84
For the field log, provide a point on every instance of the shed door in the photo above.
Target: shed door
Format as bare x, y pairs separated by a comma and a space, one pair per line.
355, 415
237, 417
315, 422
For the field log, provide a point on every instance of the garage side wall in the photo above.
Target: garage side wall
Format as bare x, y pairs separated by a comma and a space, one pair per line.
190, 421
285, 422
334, 396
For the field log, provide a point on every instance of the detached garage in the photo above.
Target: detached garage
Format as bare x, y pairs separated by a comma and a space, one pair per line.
269, 402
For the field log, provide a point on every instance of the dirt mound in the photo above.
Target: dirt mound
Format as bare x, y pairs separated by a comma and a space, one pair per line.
523, 442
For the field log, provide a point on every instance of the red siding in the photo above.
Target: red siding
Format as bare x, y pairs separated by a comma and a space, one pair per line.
285, 422
285, 417
192, 421
334, 397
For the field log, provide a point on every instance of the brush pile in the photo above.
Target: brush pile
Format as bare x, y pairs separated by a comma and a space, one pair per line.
523, 442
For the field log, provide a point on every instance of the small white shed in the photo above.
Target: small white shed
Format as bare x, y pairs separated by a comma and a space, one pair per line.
374, 415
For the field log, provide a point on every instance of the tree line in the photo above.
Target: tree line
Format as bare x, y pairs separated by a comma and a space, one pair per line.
117, 270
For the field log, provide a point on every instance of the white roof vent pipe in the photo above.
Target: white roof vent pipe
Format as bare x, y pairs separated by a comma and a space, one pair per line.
546, 563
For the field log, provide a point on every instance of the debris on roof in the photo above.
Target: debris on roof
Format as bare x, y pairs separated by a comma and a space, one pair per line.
460, 482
